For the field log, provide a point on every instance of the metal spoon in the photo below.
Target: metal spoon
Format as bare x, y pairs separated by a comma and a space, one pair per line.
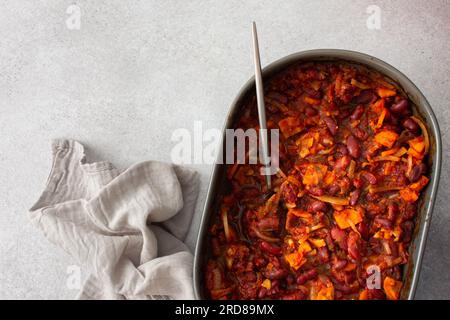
261, 105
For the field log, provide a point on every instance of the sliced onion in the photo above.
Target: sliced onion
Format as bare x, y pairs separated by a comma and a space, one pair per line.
386, 158
226, 227
351, 169
400, 152
386, 247
352, 225
262, 236
332, 200
384, 189
410, 165
424, 131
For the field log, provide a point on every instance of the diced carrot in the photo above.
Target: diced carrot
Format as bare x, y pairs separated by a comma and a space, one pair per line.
358, 84
378, 106
413, 152
347, 217
294, 181
409, 195
314, 174
417, 186
364, 295
424, 132
392, 288
417, 144
295, 260
330, 177
386, 138
388, 167
266, 284
326, 293
318, 243
304, 247
290, 126
384, 92
381, 118
312, 101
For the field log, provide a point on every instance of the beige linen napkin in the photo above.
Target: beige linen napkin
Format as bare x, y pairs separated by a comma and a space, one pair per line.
125, 228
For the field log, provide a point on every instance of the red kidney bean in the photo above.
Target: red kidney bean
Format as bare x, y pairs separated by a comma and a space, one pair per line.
417, 172
357, 183
338, 264
313, 93
316, 206
262, 292
370, 177
400, 107
316, 191
363, 230
411, 125
360, 133
290, 279
409, 211
270, 248
354, 196
407, 227
376, 294
342, 149
215, 247
306, 276
323, 254
259, 261
365, 96
310, 111
333, 189
340, 237
275, 274
353, 246
342, 163
353, 147
297, 295
392, 211
382, 222
269, 223
331, 124
357, 113
372, 197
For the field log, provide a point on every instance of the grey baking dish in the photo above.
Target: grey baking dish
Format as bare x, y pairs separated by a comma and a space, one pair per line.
217, 184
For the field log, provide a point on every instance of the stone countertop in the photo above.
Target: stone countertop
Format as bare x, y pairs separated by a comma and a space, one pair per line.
135, 71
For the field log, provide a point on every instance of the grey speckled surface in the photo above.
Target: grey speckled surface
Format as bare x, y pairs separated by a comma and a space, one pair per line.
137, 70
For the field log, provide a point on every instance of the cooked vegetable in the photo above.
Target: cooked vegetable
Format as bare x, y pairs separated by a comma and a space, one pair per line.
347, 218
352, 170
386, 138
392, 288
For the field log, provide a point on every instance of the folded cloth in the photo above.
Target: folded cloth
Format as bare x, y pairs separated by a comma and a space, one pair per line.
125, 228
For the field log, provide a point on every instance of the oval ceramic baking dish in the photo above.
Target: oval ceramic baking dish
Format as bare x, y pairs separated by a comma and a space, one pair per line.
421, 107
